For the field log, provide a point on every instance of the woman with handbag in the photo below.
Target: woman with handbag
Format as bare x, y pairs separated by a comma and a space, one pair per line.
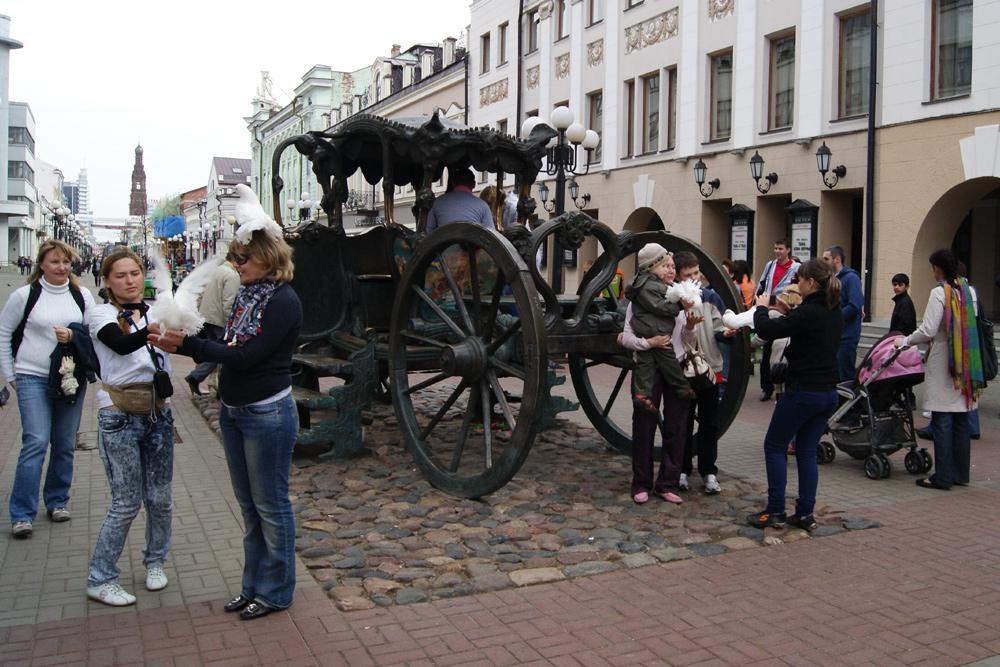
257, 415
953, 371
35, 320
137, 430
810, 395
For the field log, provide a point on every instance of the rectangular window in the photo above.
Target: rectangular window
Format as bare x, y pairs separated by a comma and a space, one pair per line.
596, 121
781, 108
651, 113
595, 11
502, 126
502, 44
629, 118
20, 135
20, 170
484, 53
629, 4
671, 107
951, 51
562, 18
855, 43
531, 31
721, 111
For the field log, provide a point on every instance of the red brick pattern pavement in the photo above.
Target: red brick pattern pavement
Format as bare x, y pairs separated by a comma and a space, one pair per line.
924, 589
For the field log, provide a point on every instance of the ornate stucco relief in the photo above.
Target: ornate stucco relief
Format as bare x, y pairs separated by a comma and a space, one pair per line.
651, 31
544, 10
595, 53
720, 9
562, 66
493, 93
532, 77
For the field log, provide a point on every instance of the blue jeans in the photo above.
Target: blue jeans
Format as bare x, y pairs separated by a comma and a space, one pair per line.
138, 456
258, 441
847, 358
43, 420
800, 415
951, 448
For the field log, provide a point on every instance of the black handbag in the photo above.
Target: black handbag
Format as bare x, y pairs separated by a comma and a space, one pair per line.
987, 348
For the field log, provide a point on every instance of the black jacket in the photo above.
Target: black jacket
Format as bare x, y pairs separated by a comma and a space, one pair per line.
904, 315
86, 368
811, 354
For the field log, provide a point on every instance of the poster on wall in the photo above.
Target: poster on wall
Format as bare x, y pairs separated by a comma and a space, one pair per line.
802, 240
739, 243
802, 227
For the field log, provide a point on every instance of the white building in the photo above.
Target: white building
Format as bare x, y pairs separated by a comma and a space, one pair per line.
668, 83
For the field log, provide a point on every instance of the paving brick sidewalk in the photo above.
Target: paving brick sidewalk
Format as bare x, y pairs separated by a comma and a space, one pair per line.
923, 589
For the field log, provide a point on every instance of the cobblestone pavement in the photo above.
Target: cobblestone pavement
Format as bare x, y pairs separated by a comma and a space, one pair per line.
924, 588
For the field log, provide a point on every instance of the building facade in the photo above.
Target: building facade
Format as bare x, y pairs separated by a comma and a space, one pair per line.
671, 83
220, 197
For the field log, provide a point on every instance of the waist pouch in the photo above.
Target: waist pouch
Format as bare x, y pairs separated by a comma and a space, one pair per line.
136, 399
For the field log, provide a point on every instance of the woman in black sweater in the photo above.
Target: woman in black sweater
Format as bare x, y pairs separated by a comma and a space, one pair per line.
810, 391
257, 415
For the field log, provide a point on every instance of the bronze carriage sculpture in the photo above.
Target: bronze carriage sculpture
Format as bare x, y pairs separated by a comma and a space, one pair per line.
460, 321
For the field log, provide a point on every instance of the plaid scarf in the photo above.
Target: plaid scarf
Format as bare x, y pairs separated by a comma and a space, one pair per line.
248, 311
965, 361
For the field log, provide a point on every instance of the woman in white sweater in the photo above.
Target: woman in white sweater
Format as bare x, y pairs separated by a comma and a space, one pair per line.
54, 300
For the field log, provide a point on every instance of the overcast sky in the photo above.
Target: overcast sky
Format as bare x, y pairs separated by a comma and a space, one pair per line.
102, 75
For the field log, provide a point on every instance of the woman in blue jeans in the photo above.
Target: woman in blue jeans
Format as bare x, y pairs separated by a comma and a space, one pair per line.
33, 322
258, 419
137, 432
810, 391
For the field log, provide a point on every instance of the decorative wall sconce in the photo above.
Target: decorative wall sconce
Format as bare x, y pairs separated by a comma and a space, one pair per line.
757, 172
700, 171
823, 156
574, 193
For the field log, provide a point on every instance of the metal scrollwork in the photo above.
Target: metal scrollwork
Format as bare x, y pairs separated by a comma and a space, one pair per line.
575, 229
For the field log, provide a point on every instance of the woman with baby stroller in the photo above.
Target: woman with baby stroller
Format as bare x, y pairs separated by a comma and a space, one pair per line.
810, 396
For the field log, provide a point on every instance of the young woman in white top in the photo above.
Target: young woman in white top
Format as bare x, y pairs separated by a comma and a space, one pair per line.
137, 432
26, 346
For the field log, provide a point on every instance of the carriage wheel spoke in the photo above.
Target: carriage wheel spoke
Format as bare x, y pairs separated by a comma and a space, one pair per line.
592, 363
614, 392
502, 338
457, 293
456, 456
494, 307
477, 299
509, 369
444, 408
440, 313
428, 382
502, 399
487, 426
423, 339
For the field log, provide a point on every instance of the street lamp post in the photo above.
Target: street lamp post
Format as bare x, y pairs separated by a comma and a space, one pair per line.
560, 160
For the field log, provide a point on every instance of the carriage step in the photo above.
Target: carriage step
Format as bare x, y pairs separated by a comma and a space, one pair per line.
302, 395
324, 365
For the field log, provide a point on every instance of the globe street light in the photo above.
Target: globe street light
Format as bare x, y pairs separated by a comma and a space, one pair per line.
562, 159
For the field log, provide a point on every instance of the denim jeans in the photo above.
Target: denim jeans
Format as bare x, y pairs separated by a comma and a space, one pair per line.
706, 444
951, 448
205, 368
138, 456
800, 415
43, 420
847, 359
258, 441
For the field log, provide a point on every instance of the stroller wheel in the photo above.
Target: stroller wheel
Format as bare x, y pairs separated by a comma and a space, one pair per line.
928, 462
886, 464
825, 453
873, 467
914, 462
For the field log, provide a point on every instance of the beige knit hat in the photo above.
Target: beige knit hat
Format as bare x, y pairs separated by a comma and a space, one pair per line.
652, 255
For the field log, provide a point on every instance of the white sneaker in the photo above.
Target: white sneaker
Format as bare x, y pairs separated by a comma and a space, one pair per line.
111, 594
682, 484
156, 578
712, 485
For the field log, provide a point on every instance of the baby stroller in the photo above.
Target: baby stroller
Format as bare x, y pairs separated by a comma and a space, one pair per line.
876, 417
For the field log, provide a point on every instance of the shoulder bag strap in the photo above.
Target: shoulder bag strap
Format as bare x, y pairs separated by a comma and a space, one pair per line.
34, 292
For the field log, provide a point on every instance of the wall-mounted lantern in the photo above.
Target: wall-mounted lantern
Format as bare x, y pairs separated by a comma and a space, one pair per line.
757, 172
823, 156
700, 172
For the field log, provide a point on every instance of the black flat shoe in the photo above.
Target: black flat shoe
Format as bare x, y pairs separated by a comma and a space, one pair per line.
237, 603
193, 386
255, 610
928, 483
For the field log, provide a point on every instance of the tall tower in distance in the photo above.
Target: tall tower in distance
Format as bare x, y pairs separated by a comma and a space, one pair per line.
83, 193
137, 203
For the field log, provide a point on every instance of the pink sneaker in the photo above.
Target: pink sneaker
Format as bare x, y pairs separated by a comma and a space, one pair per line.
671, 497
640, 498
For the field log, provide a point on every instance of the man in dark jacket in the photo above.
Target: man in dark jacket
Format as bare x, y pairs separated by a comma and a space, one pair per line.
904, 315
852, 304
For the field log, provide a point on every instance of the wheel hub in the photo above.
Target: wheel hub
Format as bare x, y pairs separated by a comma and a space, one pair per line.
467, 359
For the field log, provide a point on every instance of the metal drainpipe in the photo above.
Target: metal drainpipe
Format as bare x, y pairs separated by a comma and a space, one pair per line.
870, 175
517, 93
466, 114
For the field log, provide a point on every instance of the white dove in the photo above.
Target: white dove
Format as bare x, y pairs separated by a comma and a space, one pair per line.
179, 311
685, 290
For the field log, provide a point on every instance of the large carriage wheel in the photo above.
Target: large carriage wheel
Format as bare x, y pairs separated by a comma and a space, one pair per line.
470, 419
603, 381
